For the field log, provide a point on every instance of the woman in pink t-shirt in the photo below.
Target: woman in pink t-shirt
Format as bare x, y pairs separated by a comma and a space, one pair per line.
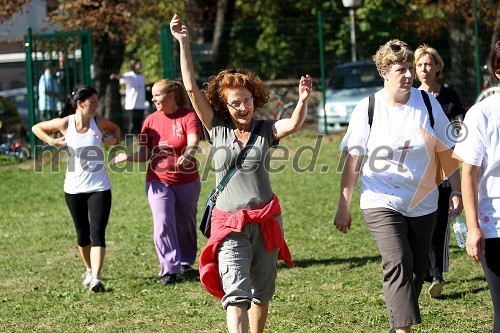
169, 140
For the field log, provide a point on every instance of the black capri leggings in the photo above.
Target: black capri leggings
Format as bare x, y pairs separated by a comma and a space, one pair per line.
491, 268
97, 205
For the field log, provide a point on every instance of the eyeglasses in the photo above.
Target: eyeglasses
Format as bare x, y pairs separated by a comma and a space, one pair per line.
237, 104
395, 47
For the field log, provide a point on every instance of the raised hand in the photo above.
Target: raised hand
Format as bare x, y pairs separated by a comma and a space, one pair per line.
305, 87
178, 28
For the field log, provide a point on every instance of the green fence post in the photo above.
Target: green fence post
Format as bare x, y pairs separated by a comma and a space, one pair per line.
29, 83
166, 53
86, 58
322, 67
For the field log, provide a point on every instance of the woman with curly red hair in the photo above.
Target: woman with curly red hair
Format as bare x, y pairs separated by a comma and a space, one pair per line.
238, 264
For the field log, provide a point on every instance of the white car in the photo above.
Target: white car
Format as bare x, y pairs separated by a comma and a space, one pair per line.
348, 84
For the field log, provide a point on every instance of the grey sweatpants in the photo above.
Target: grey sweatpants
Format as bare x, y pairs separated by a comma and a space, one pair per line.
404, 244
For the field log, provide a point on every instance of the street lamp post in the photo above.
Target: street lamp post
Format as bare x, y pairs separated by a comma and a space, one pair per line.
352, 5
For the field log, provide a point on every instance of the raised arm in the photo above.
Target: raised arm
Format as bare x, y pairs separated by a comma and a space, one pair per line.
42, 130
284, 127
198, 99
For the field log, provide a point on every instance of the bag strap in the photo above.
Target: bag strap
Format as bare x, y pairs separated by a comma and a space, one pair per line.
239, 160
371, 106
427, 101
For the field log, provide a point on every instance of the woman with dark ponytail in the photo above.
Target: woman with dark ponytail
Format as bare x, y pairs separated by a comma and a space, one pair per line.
87, 186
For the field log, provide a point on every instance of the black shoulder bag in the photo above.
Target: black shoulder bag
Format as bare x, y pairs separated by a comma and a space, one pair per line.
212, 199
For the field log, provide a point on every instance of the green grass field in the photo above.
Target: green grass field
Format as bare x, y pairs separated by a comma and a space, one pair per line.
334, 287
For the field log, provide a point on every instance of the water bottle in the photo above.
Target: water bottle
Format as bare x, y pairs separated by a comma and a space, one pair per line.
460, 229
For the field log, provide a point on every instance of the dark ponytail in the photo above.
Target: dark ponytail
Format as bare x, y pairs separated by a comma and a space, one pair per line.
82, 93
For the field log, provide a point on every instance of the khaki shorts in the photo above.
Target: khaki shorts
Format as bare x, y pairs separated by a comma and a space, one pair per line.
247, 270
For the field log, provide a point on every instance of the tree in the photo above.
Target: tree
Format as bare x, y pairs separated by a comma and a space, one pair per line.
111, 23
144, 43
454, 20
216, 34
9, 8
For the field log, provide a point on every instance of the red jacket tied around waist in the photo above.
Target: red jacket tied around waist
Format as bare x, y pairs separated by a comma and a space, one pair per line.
224, 223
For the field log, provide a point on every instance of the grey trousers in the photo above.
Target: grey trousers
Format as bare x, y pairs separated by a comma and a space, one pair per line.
404, 244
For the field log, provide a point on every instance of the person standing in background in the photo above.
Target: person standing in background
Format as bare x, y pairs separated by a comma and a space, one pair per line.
135, 94
48, 92
429, 68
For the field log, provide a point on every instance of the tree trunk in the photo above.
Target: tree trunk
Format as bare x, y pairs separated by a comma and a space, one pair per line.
108, 57
198, 14
496, 33
223, 21
461, 42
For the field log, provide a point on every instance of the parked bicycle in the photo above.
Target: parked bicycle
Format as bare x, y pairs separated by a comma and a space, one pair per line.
282, 110
18, 150
487, 92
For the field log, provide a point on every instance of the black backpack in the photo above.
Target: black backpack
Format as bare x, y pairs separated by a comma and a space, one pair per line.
427, 101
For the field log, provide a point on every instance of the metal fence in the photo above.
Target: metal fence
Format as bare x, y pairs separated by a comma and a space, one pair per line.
280, 51
55, 64
310, 45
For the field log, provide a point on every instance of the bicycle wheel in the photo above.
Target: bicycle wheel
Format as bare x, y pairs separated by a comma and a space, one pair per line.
488, 92
22, 153
286, 111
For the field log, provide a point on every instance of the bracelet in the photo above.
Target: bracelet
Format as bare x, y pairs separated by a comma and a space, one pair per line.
456, 193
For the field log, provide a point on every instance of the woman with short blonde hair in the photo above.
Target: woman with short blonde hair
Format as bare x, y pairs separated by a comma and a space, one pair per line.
429, 68
393, 128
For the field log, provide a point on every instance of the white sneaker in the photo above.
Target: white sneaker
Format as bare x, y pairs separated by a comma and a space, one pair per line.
436, 288
87, 276
96, 284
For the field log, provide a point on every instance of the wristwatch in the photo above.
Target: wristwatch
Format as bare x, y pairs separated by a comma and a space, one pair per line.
456, 193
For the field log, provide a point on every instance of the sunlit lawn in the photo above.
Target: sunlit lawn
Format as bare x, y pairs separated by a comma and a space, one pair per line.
334, 287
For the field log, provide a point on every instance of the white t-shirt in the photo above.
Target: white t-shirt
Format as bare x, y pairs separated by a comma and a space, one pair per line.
86, 170
399, 168
481, 147
135, 90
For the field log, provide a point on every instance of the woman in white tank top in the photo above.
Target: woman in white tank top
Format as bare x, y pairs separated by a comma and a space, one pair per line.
87, 187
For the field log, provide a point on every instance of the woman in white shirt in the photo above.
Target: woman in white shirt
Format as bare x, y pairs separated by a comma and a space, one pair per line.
398, 190
480, 153
87, 188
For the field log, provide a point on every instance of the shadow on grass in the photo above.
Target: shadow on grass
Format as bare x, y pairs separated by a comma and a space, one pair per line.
353, 261
190, 276
463, 290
